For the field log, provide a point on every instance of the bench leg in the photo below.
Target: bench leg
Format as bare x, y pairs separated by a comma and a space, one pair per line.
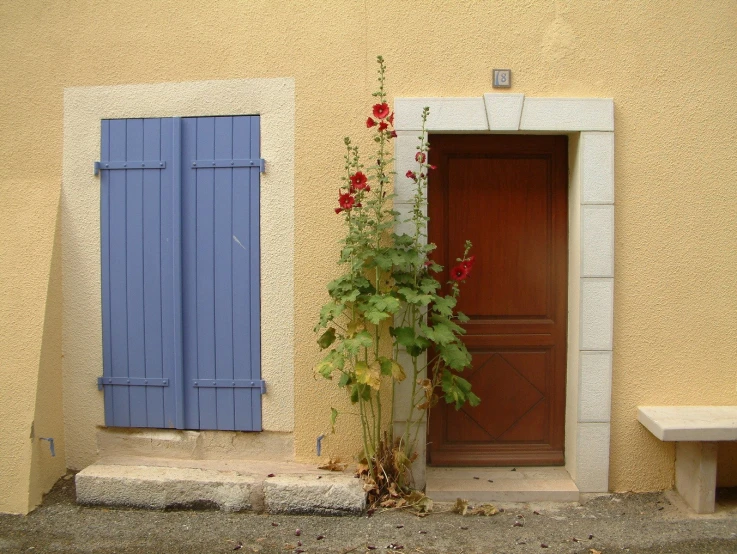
696, 474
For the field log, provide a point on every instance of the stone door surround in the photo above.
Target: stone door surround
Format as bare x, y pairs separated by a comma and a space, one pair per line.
589, 123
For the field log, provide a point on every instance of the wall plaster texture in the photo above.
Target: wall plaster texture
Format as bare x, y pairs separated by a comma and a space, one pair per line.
674, 333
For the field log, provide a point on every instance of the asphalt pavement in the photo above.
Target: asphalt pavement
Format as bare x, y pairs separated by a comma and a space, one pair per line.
633, 523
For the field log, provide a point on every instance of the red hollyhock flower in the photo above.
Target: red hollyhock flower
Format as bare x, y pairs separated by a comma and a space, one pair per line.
359, 182
420, 157
338, 210
370, 122
459, 272
346, 200
391, 119
383, 126
468, 264
381, 110
393, 134
411, 174
432, 166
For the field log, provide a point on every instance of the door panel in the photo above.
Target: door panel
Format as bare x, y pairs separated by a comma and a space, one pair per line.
508, 195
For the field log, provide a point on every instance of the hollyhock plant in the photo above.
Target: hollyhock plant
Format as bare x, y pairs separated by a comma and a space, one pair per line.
388, 302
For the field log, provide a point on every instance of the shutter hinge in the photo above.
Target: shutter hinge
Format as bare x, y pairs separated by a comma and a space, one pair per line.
230, 384
219, 164
151, 164
131, 382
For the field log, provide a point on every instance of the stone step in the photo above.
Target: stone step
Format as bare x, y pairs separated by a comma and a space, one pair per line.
229, 485
501, 484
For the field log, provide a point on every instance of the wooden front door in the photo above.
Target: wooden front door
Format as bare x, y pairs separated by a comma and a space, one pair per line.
508, 195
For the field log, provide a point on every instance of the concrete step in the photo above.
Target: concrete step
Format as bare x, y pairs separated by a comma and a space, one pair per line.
229, 485
501, 484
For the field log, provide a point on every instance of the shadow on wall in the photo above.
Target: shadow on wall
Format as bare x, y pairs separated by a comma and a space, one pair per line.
48, 420
727, 465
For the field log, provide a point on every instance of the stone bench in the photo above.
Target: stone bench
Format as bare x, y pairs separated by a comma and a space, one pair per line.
697, 431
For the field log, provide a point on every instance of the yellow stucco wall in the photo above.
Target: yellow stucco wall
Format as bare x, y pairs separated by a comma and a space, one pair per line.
669, 66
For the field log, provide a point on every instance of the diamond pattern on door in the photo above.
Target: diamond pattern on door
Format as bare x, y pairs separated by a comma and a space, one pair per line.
520, 395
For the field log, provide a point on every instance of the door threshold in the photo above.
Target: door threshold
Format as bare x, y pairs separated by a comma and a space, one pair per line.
500, 484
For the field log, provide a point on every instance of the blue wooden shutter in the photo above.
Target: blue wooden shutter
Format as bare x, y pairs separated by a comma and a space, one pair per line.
180, 256
137, 272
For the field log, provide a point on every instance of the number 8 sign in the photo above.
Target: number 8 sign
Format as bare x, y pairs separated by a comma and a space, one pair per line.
502, 78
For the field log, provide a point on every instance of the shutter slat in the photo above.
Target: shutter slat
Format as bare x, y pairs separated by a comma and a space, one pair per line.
118, 274
223, 208
134, 273
189, 275
242, 278
152, 225
105, 272
205, 270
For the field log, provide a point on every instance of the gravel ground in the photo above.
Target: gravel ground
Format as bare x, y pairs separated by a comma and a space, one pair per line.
646, 523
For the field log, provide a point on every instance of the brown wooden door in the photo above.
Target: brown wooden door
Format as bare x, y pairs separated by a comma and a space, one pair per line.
508, 195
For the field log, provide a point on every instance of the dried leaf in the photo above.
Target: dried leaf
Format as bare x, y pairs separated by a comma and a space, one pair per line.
320, 537
395, 546
333, 464
485, 510
543, 545
271, 475
460, 507
399, 526
238, 546
298, 532
464, 528
274, 524
518, 524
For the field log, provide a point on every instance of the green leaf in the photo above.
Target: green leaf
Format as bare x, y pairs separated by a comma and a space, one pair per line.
327, 338
463, 318
429, 285
473, 400
455, 356
444, 305
383, 261
457, 390
376, 316
404, 335
386, 365
333, 417
384, 303
330, 363
413, 297
360, 392
345, 380
330, 311
362, 339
